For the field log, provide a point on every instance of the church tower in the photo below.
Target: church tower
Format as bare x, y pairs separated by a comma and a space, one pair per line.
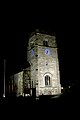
42, 54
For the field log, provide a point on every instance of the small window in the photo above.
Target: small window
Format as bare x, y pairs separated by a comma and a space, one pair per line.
45, 43
47, 80
36, 55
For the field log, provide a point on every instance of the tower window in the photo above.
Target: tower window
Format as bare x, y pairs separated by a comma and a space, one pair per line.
36, 55
45, 43
47, 80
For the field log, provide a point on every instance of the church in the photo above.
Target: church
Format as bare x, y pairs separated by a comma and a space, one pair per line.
42, 77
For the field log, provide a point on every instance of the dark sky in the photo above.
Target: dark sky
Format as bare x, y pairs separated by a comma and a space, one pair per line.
17, 24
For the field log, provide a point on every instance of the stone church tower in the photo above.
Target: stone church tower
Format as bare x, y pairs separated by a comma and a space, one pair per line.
42, 55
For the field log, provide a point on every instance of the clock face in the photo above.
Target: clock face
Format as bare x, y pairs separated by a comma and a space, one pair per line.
47, 51
32, 52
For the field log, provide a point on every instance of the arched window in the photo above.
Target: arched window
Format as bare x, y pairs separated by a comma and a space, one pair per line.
47, 80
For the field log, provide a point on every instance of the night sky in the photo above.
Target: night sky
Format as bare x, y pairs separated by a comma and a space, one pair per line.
15, 28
